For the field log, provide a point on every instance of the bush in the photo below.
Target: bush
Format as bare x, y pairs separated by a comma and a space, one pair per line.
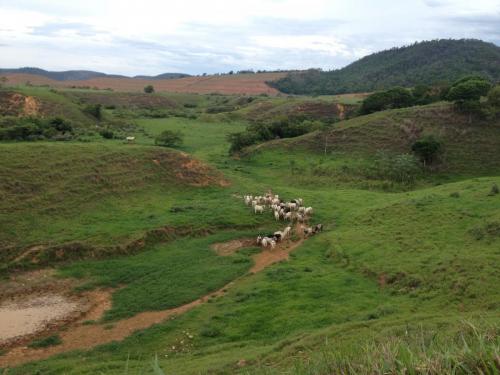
149, 89
494, 100
31, 129
427, 149
280, 127
404, 168
107, 134
210, 332
94, 110
45, 342
494, 190
397, 97
169, 138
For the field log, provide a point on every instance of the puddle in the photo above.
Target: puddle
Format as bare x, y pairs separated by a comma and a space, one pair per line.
32, 314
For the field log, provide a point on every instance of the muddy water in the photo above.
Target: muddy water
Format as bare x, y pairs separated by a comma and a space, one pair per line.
31, 314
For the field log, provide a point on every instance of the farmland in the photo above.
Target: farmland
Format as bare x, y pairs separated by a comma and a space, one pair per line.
404, 276
252, 84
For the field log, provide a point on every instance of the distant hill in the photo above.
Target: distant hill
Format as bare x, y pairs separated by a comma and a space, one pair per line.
427, 62
165, 76
81, 75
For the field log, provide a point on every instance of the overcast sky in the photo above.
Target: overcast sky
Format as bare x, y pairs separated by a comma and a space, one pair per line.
196, 36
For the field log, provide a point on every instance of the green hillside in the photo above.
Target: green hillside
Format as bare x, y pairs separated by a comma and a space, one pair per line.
428, 62
403, 280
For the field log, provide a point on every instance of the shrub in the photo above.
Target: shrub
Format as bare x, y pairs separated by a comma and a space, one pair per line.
45, 342
94, 110
494, 190
30, 129
210, 332
427, 149
169, 138
494, 100
149, 89
397, 97
404, 168
107, 134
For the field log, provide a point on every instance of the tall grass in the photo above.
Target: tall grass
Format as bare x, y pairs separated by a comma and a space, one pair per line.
473, 350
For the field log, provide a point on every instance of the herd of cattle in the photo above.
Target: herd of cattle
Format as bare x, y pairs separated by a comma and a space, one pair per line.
292, 211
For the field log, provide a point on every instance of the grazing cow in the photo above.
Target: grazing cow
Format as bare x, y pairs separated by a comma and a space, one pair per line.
130, 139
301, 218
276, 215
307, 231
287, 231
318, 228
259, 240
258, 209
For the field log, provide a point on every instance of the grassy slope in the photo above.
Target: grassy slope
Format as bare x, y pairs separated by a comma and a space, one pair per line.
469, 149
102, 194
388, 263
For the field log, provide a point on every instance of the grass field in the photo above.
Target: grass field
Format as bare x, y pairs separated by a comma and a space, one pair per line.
403, 280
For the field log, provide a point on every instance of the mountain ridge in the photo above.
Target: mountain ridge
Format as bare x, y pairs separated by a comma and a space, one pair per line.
427, 62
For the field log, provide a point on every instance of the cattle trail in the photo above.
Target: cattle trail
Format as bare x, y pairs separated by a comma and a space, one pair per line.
83, 336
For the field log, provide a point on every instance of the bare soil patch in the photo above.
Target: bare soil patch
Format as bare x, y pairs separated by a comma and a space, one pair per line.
230, 247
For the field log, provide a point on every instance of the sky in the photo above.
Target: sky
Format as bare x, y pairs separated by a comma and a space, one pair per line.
133, 37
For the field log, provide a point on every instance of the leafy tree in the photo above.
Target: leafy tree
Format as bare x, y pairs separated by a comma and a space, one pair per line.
169, 138
396, 97
149, 89
467, 92
494, 100
427, 149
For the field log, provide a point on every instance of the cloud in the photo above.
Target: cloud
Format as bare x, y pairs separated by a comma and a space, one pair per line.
195, 36
52, 29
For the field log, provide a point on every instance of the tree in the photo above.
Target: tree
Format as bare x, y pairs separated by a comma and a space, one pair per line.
169, 138
149, 89
397, 97
2, 81
427, 149
494, 100
467, 92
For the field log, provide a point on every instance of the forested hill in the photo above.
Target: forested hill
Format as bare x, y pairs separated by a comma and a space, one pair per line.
427, 62
81, 75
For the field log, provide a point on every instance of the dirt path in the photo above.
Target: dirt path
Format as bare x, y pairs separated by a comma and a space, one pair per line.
85, 336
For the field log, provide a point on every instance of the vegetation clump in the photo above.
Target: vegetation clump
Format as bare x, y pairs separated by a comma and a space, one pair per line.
94, 110
45, 342
107, 134
494, 190
149, 89
33, 129
169, 138
281, 127
427, 149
